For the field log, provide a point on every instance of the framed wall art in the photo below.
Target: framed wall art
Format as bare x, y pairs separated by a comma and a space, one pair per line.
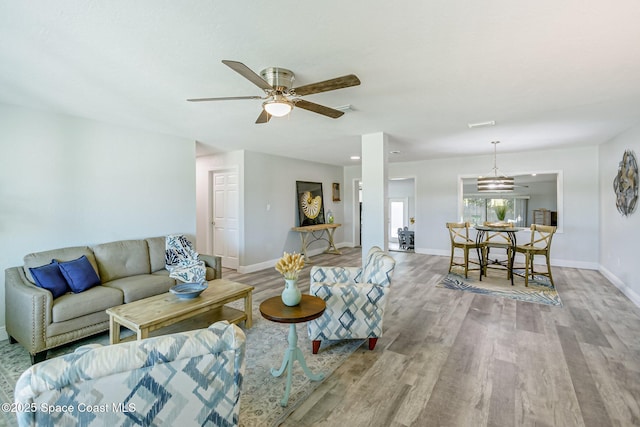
625, 184
310, 203
335, 191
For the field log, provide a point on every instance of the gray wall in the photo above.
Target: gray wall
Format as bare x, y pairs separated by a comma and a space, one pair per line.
437, 198
268, 180
619, 235
66, 181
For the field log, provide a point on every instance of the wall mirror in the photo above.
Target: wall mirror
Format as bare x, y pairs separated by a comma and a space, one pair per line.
536, 198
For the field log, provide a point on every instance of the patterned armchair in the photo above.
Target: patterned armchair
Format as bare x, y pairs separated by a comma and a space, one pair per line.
185, 379
355, 298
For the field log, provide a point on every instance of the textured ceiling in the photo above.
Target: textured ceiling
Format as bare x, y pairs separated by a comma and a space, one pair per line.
550, 73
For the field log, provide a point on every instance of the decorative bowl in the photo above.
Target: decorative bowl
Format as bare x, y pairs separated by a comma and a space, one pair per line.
188, 290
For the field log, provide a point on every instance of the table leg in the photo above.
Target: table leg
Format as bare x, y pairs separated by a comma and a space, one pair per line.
513, 255
292, 354
114, 331
331, 249
247, 309
142, 334
479, 239
303, 249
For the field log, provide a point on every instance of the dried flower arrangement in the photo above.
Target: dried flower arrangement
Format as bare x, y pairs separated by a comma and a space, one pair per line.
290, 265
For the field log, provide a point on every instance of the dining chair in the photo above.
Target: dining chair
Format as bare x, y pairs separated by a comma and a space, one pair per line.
459, 234
540, 244
497, 240
402, 239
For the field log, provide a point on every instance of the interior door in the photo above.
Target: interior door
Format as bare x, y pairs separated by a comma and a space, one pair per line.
225, 217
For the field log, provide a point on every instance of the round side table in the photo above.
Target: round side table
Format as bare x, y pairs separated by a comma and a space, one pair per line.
309, 308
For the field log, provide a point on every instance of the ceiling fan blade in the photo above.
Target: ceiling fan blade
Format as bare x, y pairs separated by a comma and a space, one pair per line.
327, 85
317, 108
223, 98
248, 74
264, 117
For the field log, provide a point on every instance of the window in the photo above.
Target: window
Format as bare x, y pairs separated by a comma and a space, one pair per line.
477, 210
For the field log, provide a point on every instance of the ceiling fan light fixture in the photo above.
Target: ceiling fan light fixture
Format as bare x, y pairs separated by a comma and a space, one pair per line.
279, 106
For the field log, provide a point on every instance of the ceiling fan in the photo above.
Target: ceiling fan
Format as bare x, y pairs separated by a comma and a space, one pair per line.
279, 95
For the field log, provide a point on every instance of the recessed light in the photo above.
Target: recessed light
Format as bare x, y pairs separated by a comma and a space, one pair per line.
481, 124
355, 157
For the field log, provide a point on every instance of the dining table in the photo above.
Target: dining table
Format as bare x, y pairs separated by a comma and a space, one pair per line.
510, 230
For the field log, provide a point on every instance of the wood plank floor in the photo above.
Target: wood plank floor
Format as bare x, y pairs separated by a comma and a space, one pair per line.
452, 358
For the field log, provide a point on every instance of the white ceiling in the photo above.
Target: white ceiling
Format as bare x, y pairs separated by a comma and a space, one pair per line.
551, 73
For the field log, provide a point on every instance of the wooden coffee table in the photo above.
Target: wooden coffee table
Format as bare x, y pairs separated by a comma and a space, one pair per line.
309, 308
159, 311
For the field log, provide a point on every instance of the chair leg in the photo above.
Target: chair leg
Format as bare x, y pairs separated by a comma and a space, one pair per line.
372, 343
549, 270
315, 346
466, 263
485, 260
451, 260
526, 270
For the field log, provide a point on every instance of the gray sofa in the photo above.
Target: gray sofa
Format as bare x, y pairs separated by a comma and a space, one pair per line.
129, 270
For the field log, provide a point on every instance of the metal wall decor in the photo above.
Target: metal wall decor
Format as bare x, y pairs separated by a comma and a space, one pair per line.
625, 184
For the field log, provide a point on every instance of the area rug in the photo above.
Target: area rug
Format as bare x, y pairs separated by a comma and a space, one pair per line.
261, 392
496, 284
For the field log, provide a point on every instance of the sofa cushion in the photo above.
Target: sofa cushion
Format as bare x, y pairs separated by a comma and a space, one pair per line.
96, 299
142, 286
156, 252
123, 258
164, 273
37, 259
49, 277
79, 274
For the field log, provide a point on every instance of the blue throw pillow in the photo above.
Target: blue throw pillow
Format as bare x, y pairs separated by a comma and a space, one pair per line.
49, 277
80, 274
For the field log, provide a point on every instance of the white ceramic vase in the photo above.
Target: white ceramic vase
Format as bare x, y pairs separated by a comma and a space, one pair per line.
291, 295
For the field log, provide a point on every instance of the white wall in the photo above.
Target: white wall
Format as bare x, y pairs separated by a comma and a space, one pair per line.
619, 234
268, 180
437, 193
66, 181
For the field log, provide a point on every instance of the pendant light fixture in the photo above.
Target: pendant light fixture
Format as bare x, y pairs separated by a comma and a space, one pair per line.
496, 183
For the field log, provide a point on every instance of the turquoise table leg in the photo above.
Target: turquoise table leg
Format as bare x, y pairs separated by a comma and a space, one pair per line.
292, 354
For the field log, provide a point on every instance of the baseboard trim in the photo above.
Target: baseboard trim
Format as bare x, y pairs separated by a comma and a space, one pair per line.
245, 269
624, 288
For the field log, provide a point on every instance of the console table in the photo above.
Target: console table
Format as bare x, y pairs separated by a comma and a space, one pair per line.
312, 233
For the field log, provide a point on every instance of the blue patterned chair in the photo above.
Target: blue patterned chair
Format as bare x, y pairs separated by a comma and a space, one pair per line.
355, 298
186, 379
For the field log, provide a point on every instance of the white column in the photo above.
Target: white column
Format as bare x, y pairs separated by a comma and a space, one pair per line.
374, 192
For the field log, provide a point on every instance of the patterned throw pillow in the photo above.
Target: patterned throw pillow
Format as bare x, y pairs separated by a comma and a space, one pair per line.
50, 277
80, 274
